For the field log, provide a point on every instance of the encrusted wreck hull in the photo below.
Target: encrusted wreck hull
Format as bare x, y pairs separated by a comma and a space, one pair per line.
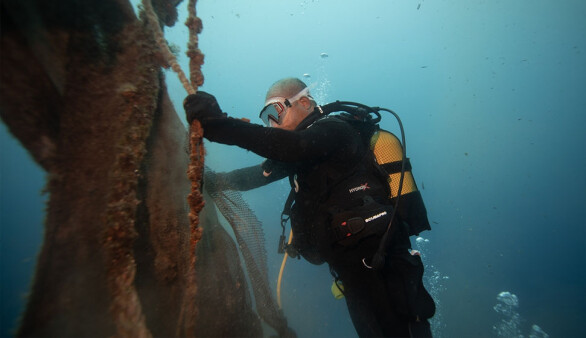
82, 89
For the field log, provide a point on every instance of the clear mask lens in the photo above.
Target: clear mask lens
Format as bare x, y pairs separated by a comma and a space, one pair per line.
275, 107
272, 112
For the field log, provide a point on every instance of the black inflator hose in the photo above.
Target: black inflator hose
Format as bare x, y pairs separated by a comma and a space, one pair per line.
378, 260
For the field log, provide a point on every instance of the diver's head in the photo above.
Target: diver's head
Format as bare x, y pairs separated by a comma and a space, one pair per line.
287, 103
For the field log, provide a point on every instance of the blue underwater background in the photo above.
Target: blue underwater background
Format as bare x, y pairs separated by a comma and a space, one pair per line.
492, 95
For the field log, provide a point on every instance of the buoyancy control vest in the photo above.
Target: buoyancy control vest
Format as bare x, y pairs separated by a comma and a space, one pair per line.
387, 160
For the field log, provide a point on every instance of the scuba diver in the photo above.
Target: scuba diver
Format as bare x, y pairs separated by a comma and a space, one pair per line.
340, 208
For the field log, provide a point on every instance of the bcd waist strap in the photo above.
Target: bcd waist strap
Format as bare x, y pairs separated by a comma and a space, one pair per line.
395, 167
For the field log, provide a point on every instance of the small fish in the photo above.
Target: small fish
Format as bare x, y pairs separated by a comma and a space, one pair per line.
306, 75
418, 6
324, 55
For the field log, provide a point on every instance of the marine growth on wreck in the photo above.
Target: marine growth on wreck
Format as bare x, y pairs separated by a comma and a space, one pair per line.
129, 248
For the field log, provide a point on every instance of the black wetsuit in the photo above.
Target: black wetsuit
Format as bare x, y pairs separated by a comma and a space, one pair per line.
328, 160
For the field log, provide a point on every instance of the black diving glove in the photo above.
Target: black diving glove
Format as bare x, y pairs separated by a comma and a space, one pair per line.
203, 107
277, 167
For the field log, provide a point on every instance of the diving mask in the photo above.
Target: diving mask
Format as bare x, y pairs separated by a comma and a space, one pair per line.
275, 107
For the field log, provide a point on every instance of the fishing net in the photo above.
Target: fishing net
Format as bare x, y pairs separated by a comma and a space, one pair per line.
250, 237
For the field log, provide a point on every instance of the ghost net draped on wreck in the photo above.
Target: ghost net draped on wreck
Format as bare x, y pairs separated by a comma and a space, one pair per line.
246, 227
82, 90
250, 237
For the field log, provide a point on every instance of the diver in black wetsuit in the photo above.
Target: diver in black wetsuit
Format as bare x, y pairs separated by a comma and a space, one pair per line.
327, 161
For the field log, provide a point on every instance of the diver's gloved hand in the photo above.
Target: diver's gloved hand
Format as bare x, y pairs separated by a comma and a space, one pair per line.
277, 167
203, 107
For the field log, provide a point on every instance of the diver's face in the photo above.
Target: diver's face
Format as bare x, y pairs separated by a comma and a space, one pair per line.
294, 115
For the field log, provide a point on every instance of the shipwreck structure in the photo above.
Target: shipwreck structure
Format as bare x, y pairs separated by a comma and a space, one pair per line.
124, 252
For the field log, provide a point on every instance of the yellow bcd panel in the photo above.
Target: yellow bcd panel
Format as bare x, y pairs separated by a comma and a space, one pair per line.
387, 148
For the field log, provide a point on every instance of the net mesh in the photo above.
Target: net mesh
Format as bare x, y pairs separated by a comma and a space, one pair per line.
250, 237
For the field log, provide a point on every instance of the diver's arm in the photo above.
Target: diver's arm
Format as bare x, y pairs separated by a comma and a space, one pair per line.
246, 178
321, 140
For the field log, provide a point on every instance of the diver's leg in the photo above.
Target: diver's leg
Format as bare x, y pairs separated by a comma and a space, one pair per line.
367, 296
